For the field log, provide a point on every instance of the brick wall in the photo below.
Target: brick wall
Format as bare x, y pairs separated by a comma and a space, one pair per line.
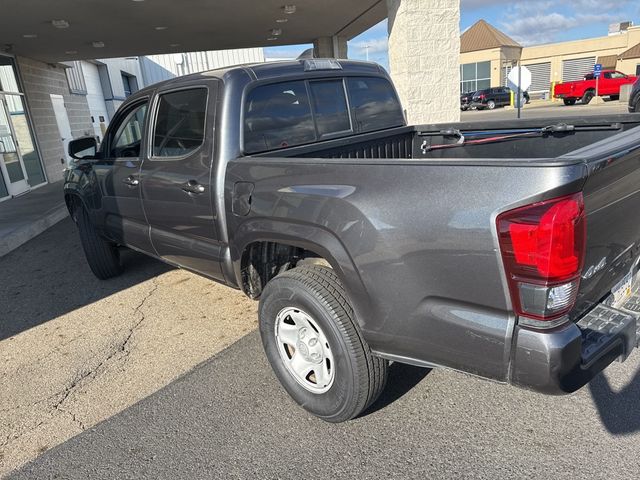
424, 52
39, 80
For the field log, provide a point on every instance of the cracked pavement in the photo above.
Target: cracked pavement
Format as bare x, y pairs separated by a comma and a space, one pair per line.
75, 350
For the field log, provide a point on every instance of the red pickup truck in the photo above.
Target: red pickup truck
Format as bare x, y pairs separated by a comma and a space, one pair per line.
608, 86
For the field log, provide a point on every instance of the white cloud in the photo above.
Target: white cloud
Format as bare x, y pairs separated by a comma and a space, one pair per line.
538, 28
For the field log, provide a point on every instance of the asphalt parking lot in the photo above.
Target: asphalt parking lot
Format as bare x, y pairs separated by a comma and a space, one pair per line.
547, 109
75, 351
123, 379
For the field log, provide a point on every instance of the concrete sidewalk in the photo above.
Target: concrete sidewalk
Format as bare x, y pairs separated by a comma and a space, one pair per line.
23, 218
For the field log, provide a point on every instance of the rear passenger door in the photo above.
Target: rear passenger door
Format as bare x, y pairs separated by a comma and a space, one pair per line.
177, 188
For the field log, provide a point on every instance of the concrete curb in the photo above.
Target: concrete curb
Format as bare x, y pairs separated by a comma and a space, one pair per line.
21, 235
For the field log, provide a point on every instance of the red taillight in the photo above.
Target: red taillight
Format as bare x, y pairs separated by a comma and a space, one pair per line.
543, 247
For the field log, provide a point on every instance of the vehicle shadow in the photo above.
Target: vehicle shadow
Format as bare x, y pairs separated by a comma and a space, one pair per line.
402, 379
618, 411
49, 276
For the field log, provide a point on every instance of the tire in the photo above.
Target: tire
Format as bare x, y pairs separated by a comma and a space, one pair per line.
636, 106
102, 256
491, 105
587, 97
614, 98
307, 303
569, 102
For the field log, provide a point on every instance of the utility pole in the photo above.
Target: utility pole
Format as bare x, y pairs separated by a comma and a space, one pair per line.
518, 98
366, 50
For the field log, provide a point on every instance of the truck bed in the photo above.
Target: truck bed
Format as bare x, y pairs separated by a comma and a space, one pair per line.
409, 142
420, 229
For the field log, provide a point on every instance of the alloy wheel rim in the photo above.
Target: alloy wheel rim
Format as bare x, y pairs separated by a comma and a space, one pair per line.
304, 350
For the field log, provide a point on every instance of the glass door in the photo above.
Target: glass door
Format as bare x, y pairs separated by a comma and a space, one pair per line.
14, 176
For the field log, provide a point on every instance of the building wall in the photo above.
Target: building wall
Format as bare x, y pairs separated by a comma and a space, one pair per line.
95, 98
424, 49
194, 62
630, 67
39, 80
111, 71
556, 53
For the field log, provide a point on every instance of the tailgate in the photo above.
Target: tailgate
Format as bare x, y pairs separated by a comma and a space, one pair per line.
562, 89
612, 204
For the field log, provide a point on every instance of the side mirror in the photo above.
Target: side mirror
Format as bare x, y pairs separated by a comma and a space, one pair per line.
83, 148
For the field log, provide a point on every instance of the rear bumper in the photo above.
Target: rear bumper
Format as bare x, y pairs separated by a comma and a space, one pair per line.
565, 359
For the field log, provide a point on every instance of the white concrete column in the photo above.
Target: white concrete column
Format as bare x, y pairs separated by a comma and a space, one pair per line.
424, 58
330, 47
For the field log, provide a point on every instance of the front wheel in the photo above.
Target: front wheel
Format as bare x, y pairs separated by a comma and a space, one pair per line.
102, 255
315, 347
569, 101
491, 105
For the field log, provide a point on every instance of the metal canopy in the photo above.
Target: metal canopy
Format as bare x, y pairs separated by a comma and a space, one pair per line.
120, 28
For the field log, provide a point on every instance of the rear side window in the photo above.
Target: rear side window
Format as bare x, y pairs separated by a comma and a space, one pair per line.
278, 116
374, 104
179, 127
330, 106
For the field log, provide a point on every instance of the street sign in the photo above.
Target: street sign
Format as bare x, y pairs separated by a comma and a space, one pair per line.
519, 80
597, 70
525, 79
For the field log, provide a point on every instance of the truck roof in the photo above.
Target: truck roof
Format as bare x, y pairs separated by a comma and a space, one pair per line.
283, 68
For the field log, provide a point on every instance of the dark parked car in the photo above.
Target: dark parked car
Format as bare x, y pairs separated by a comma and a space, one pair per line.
507, 252
634, 99
494, 97
465, 101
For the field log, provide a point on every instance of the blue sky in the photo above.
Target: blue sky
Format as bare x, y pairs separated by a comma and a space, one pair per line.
529, 22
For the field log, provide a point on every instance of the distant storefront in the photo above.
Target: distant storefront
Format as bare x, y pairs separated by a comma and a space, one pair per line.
487, 55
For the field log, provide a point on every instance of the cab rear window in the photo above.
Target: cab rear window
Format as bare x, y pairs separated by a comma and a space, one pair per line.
299, 112
374, 104
278, 116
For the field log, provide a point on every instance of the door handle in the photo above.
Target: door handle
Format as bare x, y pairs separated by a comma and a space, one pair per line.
192, 187
131, 181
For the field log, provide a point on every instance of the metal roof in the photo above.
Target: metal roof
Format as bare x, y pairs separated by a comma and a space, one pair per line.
633, 52
483, 36
608, 61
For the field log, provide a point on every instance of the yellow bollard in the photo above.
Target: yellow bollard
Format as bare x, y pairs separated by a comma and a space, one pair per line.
513, 99
553, 91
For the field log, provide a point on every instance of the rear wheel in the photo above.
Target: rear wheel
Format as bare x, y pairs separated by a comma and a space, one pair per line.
569, 101
102, 255
614, 97
315, 346
636, 106
588, 96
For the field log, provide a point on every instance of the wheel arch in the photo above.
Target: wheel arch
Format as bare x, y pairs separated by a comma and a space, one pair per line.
268, 247
73, 200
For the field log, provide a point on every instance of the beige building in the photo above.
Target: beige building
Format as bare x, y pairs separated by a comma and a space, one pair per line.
487, 55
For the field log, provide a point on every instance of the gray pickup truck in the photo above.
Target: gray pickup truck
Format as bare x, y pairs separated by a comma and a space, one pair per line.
506, 250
